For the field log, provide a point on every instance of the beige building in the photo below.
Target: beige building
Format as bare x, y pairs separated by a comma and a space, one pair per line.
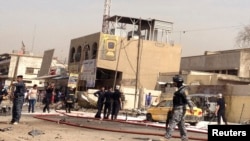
237, 95
230, 75
224, 72
233, 62
108, 59
204, 78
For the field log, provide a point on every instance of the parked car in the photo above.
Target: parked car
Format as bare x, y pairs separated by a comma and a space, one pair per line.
159, 112
207, 102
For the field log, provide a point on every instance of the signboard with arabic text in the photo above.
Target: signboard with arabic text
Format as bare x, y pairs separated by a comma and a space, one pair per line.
89, 72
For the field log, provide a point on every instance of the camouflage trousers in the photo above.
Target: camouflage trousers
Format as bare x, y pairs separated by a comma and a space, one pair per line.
177, 119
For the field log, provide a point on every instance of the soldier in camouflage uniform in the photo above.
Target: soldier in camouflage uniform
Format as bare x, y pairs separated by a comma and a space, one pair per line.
180, 101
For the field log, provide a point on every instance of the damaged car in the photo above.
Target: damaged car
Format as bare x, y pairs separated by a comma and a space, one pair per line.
160, 112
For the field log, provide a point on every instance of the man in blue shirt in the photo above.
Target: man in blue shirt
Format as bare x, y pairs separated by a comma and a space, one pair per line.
18, 99
148, 100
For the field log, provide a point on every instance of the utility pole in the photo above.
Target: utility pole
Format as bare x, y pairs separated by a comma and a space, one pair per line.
117, 63
138, 63
14, 75
33, 40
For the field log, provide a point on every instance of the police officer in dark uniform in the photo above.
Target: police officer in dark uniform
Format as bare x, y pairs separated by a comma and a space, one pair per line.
100, 95
180, 101
18, 100
116, 106
108, 102
69, 99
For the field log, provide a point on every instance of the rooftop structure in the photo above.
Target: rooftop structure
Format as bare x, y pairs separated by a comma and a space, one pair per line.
151, 29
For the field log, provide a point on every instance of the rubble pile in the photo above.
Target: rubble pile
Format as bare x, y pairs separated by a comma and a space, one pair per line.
85, 101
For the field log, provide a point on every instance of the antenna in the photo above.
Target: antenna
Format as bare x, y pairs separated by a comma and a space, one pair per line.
22, 51
33, 40
106, 14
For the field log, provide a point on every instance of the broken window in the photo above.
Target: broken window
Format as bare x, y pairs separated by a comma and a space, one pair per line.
72, 53
232, 72
30, 70
78, 54
86, 50
95, 50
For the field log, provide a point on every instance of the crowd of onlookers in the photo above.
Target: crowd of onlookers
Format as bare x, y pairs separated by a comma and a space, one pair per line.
109, 101
35, 95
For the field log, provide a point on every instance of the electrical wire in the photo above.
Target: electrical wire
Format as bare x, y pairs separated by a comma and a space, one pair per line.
208, 29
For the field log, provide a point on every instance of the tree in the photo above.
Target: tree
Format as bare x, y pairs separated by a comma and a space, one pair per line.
243, 38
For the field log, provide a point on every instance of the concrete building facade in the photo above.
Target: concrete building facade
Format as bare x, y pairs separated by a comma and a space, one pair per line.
116, 59
232, 62
225, 72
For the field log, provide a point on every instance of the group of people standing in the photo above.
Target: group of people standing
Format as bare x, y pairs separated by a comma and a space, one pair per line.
111, 100
68, 97
21, 93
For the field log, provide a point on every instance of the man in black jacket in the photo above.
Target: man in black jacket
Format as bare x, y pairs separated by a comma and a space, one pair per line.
116, 106
100, 95
107, 104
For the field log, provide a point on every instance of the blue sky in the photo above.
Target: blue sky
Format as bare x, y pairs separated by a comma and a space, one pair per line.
209, 25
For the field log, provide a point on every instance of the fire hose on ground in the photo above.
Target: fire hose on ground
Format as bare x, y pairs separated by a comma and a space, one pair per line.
133, 122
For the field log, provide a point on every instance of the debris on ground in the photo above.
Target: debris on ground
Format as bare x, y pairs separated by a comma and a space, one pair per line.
5, 129
89, 120
85, 101
58, 136
35, 132
61, 120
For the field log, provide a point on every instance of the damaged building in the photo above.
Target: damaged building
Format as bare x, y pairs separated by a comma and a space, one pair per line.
125, 55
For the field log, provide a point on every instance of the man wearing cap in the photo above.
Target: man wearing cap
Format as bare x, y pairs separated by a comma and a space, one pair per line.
18, 99
180, 101
220, 110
